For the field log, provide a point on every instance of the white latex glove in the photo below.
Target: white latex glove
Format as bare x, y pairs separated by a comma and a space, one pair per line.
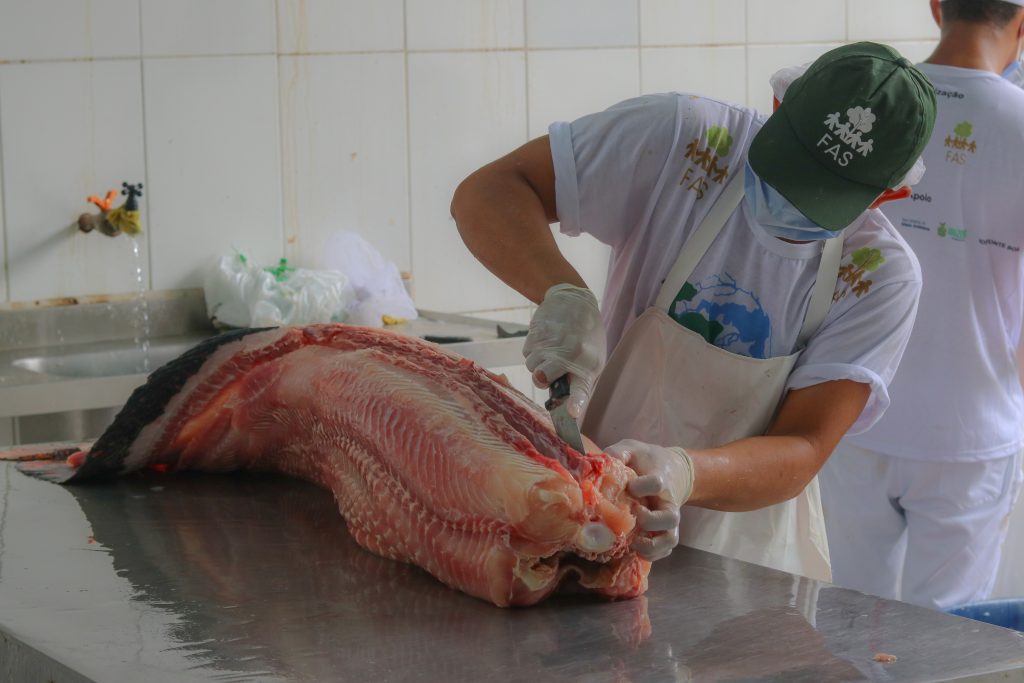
664, 484
566, 336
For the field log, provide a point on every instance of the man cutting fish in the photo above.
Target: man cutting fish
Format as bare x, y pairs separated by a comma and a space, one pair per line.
756, 306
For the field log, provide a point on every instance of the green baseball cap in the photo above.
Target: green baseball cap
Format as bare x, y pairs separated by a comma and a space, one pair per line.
847, 130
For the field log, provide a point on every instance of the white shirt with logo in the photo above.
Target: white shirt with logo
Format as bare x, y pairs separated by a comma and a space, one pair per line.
957, 396
642, 175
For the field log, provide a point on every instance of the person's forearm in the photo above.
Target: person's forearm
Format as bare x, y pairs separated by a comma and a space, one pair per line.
504, 224
752, 473
763, 470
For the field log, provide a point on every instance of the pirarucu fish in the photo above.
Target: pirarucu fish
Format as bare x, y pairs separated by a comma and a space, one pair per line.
432, 459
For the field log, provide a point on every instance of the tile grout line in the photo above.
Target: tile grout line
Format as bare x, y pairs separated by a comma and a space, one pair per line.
846, 16
526, 80
280, 131
145, 154
746, 52
408, 149
639, 48
526, 71
3, 217
454, 50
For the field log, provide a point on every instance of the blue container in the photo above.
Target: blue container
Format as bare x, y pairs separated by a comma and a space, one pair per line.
1008, 613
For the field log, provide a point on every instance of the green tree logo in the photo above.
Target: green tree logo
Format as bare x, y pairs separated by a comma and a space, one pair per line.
941, 230
864, 260
964, 129
868, 259
720, 140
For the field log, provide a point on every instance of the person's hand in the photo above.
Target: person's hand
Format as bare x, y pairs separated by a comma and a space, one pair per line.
566, 337
663, 486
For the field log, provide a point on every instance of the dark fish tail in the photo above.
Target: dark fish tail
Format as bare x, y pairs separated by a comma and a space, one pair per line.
147, 403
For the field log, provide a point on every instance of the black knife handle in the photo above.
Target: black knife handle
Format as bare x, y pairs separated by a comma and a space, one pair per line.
559, 390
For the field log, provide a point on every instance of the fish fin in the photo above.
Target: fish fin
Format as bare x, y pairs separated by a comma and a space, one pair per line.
43, 451
47, 461
55, 470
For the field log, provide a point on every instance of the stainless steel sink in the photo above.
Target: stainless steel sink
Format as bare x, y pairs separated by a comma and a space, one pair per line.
120, 359
66, 366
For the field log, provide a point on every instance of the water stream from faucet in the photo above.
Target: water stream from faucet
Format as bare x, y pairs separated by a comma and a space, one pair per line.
141, 308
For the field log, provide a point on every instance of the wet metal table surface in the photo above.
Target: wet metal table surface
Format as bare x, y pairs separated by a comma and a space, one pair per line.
240, 578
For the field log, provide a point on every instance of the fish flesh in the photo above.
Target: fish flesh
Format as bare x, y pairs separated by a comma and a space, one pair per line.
432, 459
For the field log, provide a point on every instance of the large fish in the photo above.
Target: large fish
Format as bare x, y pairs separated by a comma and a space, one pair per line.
432, 459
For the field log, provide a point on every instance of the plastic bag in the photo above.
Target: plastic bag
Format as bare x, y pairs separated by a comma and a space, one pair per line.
240, 294
377, 282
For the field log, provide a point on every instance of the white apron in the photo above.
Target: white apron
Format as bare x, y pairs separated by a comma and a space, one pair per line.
665, 384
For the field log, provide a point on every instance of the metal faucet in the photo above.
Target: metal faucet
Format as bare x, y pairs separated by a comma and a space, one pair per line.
112, 222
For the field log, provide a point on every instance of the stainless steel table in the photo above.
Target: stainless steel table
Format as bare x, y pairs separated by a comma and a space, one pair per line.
243, 578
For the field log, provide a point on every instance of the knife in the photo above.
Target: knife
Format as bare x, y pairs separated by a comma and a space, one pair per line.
565, 424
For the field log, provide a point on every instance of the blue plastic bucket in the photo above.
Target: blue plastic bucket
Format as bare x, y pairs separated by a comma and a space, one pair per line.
1008, 613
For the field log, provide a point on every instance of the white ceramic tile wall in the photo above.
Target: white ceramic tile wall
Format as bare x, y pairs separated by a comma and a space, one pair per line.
70, 130
581, 23
3, 229
797, 21
902, 20
465, 109
306, 26
464, 24
212, 138
343, 134
709, 71
201, 27
68, 29
692, 22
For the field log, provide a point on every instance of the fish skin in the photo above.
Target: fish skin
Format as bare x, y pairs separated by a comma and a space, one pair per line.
146, 403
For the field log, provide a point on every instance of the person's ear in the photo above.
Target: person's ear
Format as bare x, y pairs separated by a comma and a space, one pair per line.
936, 12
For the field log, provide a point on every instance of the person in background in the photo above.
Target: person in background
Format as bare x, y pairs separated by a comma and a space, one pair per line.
926, 493
755, 307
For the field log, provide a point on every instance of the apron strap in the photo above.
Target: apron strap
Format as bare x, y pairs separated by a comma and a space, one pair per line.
697, 244
823, 289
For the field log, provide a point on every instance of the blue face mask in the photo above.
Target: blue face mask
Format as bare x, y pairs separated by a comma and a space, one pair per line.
776, 215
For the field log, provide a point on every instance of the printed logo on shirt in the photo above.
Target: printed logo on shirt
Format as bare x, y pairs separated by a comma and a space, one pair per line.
915, 224
863, 261
921, 197
704, 161
957, 234
996, 243
859, 120
725, 314
952, 94
960, 144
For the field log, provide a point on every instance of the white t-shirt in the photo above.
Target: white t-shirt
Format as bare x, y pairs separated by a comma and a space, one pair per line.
642, 175
957, 395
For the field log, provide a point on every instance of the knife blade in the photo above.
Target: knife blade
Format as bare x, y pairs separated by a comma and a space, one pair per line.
565, 424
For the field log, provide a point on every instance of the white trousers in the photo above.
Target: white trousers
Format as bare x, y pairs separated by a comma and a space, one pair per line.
929, 533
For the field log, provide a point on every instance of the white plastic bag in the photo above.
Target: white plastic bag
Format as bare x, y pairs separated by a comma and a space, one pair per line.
239, 294
377, 283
